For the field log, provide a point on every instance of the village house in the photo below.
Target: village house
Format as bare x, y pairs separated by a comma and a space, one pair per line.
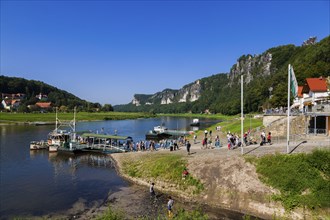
10, 101
314, 102
44, 105
42, 97
11, 104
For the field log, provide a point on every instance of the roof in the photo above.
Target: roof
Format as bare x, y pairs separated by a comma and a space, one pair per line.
11, 101
300, 93
105, 136
317, 84
44, 104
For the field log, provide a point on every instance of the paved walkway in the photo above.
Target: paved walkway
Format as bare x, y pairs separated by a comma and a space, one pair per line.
306, 144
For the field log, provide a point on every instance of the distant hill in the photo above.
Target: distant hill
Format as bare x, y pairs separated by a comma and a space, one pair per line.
265, 83
32, 88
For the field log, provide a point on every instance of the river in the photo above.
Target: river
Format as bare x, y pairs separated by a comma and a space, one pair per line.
39, 183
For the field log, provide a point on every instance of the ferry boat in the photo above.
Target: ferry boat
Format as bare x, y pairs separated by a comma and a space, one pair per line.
69, 141
59, 139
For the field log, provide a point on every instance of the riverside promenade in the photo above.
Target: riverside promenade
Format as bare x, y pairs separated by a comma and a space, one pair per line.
303, 145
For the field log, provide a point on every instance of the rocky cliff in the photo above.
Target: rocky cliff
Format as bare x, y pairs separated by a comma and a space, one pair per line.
251, 66
188, 93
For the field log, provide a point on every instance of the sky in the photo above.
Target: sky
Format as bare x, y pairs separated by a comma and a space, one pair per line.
107, 51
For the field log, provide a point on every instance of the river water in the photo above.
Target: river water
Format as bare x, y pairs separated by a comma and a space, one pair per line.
37, 183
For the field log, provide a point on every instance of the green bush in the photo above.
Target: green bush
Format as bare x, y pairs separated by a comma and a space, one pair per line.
302, 179
166, 167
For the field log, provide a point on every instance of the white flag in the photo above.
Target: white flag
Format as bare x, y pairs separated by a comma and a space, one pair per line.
293, 82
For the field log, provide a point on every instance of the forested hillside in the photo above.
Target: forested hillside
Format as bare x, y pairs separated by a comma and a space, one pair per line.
265, 81
57, 97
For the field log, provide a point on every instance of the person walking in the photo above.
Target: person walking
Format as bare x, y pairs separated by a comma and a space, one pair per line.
269, 138
170, 206
217, 141
263, 138
188, 145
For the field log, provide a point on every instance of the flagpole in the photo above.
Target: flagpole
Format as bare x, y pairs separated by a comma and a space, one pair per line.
288, 110
242, 115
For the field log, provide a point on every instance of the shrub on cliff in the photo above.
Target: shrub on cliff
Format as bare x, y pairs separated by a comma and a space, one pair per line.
302, 179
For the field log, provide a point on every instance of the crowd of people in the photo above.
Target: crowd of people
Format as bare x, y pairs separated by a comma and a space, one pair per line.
207, 142
151, 145
233, 141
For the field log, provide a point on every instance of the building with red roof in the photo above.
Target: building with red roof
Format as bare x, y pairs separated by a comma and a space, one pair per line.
317, 84
315, 91
314, 101
10, 104
44, 105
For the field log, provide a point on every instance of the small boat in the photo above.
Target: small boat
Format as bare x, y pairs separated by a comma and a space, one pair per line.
160, 129
37, 145
195, 122
157, 136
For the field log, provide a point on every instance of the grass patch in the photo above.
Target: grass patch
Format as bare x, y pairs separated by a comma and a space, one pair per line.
80, 116
111, 214
302, 179
165, 167
181, 214
190, 115
234, 125
195, 214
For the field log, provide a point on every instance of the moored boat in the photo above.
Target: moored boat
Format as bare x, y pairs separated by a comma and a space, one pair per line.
37, 145
160, 129
157, 136
69, 141
195, 122
59, 139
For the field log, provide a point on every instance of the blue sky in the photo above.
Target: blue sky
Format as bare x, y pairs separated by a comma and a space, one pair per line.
107, 51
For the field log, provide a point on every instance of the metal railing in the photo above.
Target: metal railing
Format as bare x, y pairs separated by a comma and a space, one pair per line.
317, 131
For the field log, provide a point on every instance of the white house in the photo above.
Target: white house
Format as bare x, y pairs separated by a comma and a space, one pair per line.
314, 91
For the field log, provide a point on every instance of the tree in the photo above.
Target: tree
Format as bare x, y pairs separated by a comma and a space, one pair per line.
23, 108
107, 108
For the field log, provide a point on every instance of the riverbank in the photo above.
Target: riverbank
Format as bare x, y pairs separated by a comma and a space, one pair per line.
13, 118
16, 118
229, 181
